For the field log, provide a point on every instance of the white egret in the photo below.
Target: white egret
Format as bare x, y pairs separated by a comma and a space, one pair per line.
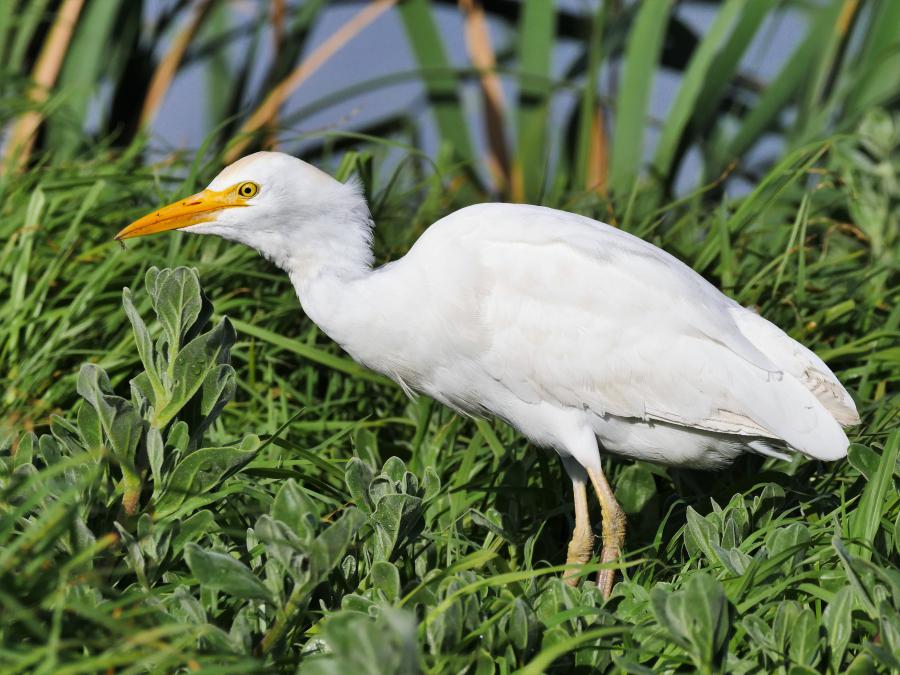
581, 336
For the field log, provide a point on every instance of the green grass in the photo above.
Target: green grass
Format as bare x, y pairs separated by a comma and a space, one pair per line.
324, 520
298, 511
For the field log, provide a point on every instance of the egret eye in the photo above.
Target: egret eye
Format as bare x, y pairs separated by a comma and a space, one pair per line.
248, 189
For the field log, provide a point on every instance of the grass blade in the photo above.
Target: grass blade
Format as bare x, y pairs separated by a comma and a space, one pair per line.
440, 82
692, 82
312, 353
644, 46
536, 31
866, 518
592, 153
545, 658
785, 174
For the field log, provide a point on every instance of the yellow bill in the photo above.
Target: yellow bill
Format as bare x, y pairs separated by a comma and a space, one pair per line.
199, 208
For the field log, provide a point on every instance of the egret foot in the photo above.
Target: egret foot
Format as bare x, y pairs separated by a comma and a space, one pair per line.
613, 529
582, 545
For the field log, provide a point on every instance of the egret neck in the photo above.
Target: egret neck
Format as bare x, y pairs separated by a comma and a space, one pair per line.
328, 257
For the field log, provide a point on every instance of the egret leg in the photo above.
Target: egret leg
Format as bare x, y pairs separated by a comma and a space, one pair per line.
613, 528
582, 545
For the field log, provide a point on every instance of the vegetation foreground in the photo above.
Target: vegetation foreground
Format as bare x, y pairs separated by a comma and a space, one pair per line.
182, 491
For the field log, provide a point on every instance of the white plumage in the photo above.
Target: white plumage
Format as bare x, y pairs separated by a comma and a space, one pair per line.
583, 337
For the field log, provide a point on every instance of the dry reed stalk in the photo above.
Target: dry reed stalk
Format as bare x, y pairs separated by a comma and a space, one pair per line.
46, 70
481, 52
598, 154
268, 109
167, 68
278, 14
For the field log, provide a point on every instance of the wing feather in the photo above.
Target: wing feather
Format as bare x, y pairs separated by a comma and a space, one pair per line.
799, 362
584, 315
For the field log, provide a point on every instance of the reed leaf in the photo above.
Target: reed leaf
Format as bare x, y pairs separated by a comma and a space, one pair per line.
875, 76
438, 76
695, 76
645, 41
85, 63
535, 46
591, 151
785, 87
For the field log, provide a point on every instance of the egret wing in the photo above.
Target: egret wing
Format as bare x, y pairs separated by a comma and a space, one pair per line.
799, 362
579, 314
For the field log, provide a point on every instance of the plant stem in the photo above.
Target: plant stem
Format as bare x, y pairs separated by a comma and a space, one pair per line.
279, 628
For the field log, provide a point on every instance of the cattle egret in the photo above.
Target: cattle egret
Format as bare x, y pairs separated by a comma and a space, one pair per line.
581, 336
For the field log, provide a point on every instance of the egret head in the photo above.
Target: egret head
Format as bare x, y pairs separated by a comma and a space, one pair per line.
270, 201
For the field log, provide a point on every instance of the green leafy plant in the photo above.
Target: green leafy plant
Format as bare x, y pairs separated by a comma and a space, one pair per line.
186, 382
147, 451
136, 541
696, 616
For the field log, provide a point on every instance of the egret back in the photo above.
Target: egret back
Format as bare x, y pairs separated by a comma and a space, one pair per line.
578, 314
